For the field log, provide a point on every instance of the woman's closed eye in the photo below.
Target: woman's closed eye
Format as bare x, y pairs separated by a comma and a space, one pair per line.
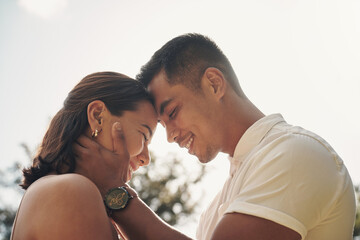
172, 115
145, 138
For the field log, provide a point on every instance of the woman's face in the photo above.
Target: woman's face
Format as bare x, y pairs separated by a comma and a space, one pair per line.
138, 128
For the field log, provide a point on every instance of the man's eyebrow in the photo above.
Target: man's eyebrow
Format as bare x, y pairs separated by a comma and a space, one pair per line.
163, 106
150, 131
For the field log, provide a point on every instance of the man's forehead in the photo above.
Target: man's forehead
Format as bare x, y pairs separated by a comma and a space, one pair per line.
159, 88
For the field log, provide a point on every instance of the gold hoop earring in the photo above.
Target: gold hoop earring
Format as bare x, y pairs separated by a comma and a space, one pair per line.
94, 133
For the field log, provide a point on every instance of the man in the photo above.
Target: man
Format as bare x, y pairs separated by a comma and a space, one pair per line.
285, 182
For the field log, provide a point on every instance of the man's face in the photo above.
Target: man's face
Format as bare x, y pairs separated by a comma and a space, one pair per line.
187, 117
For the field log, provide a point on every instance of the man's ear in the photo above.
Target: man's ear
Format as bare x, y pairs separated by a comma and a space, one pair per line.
215, 81
95, 112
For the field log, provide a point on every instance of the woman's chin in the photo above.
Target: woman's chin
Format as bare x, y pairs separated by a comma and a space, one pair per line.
129, 176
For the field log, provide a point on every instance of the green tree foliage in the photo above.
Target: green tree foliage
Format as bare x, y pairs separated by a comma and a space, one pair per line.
357, 221
6, 219
165, 185
9, 180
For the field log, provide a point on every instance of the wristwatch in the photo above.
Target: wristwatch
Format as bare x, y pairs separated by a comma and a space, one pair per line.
116, 199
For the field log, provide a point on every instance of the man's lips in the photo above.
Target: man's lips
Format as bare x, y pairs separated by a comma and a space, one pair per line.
188, 144
186, 141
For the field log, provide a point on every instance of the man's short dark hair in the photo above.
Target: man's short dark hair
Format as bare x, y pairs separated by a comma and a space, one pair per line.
185, 59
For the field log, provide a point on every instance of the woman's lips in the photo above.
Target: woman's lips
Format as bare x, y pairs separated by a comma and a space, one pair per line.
132, 168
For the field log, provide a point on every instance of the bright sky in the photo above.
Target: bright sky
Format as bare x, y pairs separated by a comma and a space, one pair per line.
300, 58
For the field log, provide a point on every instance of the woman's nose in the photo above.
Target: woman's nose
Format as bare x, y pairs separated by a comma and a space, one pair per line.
144, 157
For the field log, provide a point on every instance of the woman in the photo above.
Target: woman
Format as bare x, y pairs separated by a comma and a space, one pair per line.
60, 203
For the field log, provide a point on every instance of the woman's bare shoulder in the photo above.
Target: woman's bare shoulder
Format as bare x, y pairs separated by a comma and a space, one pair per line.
73, 199
70, 181
63, 186
61, 193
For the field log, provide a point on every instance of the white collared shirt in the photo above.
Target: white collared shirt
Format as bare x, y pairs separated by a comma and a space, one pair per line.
290, 176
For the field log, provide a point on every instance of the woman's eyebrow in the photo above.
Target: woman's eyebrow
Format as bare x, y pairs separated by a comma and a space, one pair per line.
151, 133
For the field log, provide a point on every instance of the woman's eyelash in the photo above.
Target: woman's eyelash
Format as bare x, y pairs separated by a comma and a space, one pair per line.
173, 113
145, 137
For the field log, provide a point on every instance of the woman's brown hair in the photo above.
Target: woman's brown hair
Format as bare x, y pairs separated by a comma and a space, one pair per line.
119, 93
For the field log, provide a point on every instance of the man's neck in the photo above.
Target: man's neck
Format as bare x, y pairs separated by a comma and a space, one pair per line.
243, 115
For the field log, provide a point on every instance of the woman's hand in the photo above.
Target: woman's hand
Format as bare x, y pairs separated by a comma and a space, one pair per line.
105, 168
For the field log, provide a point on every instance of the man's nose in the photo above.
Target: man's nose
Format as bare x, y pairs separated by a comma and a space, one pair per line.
172, 133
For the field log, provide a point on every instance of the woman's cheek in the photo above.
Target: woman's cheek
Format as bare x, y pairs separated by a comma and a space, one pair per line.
104, 138
133, 145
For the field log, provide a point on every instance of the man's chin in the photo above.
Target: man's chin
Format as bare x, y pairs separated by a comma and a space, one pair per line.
204, 161
207, 157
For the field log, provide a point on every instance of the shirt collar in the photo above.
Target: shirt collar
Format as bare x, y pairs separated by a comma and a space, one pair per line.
252, 136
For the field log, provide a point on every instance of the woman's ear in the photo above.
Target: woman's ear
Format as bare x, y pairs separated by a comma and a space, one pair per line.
95, 113
215, 81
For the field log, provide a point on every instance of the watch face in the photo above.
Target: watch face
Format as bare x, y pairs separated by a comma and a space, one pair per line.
117, 198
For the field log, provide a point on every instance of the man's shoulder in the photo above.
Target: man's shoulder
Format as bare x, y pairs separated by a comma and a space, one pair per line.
298, 141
